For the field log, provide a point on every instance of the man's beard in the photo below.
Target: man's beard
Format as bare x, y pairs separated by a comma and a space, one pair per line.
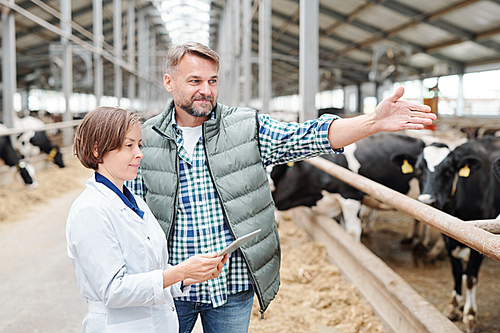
196, 112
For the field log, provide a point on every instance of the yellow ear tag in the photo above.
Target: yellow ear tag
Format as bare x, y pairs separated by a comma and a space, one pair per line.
51, 155
290, 164
464, 172
406, 167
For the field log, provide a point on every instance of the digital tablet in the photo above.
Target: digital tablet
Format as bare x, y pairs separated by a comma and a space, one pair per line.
237, 243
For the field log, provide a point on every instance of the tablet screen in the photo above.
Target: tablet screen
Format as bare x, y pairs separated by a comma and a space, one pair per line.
237, 243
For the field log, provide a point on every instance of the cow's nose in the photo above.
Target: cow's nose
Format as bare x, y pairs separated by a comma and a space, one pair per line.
426, 199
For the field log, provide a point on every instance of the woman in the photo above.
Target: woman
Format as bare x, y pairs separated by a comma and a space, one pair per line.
116, 246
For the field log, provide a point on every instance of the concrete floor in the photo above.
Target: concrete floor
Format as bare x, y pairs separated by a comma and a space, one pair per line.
37, 284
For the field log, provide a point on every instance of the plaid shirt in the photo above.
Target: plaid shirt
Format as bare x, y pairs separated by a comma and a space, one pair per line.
199, 226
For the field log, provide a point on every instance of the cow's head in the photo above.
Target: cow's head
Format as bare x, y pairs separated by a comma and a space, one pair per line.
492, 197
22, 144
404, 162
495, 169
301, 184
450, 176
27, 173
297, 186
434, 169
56, 157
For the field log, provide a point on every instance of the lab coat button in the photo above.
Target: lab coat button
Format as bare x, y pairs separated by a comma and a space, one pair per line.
148, 238
173, 308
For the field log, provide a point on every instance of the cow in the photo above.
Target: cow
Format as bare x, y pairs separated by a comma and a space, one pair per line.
31, 142
386, 158
492, 194
459, 182
11, 158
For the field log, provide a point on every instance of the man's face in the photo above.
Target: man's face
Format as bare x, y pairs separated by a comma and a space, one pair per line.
194, 86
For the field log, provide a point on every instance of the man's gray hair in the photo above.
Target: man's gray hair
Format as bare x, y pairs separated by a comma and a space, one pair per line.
176, 52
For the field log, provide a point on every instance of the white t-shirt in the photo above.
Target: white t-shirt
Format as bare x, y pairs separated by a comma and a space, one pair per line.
191, 136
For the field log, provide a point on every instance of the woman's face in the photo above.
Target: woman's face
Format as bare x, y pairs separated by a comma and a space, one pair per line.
121, 164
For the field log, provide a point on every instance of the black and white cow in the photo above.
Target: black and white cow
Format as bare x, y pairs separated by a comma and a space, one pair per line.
386, 158
492, 195
457, 182
31, 142
11, 158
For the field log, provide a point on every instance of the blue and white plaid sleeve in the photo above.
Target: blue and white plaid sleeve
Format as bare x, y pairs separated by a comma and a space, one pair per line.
283, 142
137, 185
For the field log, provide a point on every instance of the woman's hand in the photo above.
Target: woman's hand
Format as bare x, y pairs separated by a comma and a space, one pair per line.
211, 274
196, 269
202, 267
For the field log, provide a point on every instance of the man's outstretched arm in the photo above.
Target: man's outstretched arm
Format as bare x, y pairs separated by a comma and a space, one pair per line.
391, 115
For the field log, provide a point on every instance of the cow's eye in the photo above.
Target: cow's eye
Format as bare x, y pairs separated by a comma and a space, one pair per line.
448, 173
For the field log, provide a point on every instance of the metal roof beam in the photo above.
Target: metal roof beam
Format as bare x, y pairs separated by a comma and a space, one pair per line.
75, 15
350, 17
107, 32
379, 35
351, 45
285, 66
477, 36
324, 64
296, 37
430, 19
295, 44
54, 20
355, 71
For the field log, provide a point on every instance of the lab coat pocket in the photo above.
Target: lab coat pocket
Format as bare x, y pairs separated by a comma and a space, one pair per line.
144, 325
94, 323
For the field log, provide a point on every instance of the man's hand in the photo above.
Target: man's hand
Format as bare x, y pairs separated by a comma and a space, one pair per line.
393, 114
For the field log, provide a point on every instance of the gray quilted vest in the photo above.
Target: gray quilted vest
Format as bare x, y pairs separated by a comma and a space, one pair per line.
231, 143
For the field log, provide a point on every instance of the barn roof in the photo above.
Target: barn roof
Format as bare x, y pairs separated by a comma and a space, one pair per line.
38, 39
424, 38
394, 39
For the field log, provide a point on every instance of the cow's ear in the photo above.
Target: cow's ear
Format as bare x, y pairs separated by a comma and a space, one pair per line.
404, 162
495, 168
468, 164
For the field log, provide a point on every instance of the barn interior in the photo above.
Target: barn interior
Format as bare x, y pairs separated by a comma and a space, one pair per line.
293, 59
359, 49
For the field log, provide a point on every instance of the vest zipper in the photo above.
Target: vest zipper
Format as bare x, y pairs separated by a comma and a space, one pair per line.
172, 225
256, 290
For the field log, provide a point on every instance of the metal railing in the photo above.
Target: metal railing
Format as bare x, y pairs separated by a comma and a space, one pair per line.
469, 233
64, 124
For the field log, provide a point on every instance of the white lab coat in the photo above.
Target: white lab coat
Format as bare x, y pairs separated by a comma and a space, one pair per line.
118, 259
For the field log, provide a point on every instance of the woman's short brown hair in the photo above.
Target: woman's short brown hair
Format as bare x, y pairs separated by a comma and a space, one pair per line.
101, 131
176, 52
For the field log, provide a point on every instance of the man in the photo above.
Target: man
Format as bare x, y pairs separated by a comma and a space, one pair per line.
203, 176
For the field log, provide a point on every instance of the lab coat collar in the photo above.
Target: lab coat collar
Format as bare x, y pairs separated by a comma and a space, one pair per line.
113, 197
127, 197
